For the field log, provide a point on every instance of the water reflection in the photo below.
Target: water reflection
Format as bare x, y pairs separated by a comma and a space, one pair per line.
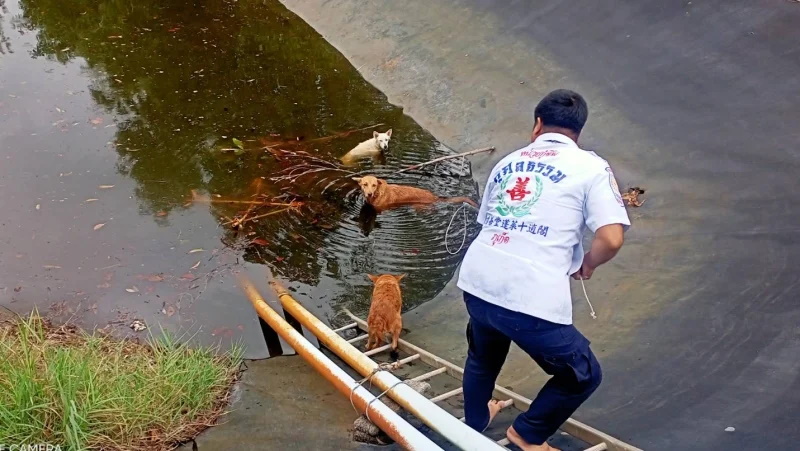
185, 78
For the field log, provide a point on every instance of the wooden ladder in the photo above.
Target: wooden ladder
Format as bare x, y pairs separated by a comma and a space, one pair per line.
598, 441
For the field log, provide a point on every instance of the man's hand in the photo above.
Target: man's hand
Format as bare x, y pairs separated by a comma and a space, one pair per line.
607, 242
585, 272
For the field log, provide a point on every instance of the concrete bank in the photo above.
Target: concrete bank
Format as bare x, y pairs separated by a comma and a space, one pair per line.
697, 318
283, 403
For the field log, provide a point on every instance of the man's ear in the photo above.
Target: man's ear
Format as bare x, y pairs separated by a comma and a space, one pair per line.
357, 179
400, 277
537, 128
389, 133
374, 134
372, 278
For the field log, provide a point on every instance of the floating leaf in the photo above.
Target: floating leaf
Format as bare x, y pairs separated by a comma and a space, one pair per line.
169, 311
261, 241
238, 151
194, 251
38, 206
279, 259
106, 186
51, 267
238, 143
99, 226
196, 265
97, 121
155, 278
132, 289
161, 213
187, 276
91, 200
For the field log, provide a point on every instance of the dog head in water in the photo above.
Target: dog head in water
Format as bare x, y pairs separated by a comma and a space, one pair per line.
369, 185
386, 278
382, 139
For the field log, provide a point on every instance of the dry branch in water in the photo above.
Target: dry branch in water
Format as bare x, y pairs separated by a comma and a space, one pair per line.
447, 157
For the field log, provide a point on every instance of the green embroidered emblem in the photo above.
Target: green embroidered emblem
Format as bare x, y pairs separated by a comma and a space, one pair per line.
518, 193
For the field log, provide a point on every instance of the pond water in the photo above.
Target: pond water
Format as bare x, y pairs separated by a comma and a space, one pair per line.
114, 112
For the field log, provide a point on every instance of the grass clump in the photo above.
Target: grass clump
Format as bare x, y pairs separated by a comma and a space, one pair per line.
61, 386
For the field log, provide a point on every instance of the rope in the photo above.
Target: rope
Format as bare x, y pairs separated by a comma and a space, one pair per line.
591, 309
380, 367
463, 208
366, 410
447, 232
360, 383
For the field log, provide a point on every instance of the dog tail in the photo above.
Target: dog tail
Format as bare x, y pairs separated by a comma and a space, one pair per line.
460, 200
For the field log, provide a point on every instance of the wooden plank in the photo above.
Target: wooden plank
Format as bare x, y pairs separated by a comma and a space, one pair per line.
357, 339
598, 447
429, 374
447, 395
343, 328
377, 350
408, 359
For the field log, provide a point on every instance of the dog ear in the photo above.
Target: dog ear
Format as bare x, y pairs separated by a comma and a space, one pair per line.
381, 182
356, 179
389, 133
372, 278
400, 277
374, 133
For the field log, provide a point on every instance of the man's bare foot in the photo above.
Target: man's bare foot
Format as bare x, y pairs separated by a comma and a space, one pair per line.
514, 438
496, 406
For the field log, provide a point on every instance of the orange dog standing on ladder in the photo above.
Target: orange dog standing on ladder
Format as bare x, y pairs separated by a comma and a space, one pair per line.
384, 318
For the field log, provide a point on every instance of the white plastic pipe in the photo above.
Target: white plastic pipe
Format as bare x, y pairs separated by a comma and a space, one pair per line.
385, 418
418, 405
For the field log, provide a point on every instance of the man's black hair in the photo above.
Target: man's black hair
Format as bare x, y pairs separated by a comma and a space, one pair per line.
563, 108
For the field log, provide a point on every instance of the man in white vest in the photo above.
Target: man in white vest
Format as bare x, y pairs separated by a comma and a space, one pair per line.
515, 276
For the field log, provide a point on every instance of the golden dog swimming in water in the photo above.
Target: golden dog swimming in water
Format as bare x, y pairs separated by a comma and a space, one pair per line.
383, 196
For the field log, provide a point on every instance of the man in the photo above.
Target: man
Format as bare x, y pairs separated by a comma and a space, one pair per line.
515, 275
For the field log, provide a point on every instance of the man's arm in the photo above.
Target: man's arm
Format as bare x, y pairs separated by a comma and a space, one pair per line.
605, 215
607, 242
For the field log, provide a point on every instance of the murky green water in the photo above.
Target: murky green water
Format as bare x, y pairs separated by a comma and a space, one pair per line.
129, 102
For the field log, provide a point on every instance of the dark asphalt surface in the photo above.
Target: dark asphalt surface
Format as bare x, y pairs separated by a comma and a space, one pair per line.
718, 84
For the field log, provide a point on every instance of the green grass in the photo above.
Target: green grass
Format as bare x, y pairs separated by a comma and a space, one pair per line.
61, 386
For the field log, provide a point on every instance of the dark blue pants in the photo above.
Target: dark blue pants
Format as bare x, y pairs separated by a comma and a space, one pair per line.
560, 350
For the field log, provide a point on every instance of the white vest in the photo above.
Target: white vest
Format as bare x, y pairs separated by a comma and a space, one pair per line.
536, 205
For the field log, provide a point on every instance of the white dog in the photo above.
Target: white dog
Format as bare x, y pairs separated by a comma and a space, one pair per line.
370, 148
